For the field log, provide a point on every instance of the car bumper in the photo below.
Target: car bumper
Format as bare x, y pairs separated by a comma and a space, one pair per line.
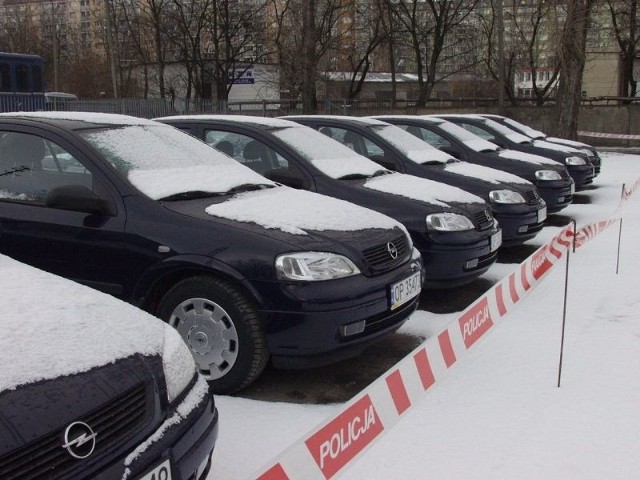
322, 322
520, 226
582, 175
187, 444
450, 265
556, 196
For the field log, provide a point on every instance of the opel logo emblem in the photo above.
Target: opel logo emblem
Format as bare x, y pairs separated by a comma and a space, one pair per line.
486, 212
79, 440
393, 251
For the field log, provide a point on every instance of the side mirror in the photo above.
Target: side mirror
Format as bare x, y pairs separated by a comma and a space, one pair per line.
77, 198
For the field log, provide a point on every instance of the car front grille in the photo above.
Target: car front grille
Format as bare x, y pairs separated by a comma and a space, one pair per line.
380, 259
532, 197
113, 422
484, 219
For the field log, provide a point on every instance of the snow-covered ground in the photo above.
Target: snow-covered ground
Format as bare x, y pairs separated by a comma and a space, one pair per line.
499, 413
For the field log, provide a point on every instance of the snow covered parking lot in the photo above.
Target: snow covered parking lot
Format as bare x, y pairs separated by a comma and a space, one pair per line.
499, 413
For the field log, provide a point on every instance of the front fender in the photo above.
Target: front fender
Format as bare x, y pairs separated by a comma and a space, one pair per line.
161, 276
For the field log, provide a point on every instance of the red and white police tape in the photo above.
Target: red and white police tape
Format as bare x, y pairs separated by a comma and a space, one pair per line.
622, 136
327, 449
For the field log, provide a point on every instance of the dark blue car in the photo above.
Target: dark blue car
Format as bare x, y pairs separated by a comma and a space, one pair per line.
245, 269
93, 388
454, 230
515, 202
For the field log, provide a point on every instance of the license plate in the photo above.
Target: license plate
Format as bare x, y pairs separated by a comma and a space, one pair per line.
160, 472
405, 290
496, 240
542, 214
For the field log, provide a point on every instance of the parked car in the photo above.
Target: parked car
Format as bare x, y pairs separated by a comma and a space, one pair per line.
515, 202
578, 165
539, 137
552, 180
93, 388
243, 268
454, 230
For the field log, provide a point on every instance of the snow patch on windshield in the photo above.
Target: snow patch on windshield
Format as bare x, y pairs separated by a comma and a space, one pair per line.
329, 156
421, 189
64, 326
298, 211
412, 147
160, 160
484, 173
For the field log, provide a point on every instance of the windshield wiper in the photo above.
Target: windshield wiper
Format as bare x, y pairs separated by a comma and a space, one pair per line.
248, 187
191, 195
379, 173
354, 176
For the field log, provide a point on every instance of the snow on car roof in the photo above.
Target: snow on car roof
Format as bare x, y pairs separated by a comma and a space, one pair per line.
298, 211
89, 117
51, 327
363, 120
263, 121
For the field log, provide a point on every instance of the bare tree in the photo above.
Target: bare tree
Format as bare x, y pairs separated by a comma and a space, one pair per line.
624, 17
370, 33
572, 57
307, 31
439, 34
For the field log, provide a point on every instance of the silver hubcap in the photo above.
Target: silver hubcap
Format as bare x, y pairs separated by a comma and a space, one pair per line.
210, 334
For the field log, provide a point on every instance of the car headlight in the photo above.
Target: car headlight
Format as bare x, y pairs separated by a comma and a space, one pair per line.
505, 196
177, 363
314, 266
448, 222
575, 161
587, 152
547, 175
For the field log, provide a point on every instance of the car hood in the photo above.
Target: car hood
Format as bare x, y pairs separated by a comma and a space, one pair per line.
485, 174
421, 190
554, 146
69, 328
529, 158
298, 212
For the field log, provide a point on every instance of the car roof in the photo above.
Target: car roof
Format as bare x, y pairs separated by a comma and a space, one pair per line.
78, 120
364, 121
255, 121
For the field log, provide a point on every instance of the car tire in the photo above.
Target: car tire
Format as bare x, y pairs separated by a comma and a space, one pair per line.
222, 329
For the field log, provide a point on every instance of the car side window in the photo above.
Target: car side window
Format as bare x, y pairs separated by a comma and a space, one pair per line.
31, 167
432, 138
256, 155
480, 132
362, 145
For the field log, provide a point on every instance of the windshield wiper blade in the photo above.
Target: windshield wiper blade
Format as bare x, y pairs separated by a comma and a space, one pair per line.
354, 176
379, 173
249, 187
191, 195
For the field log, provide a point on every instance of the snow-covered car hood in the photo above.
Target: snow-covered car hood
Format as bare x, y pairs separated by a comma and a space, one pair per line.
51, 327
421, 189
527, 157
298, 212
555, 146
486, 174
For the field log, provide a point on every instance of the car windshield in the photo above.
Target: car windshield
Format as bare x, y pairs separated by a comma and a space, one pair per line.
329, 156
163, 162
472, 141
530, 132
410, 146
506, 131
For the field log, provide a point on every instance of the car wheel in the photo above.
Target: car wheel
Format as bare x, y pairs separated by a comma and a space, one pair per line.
221, 327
